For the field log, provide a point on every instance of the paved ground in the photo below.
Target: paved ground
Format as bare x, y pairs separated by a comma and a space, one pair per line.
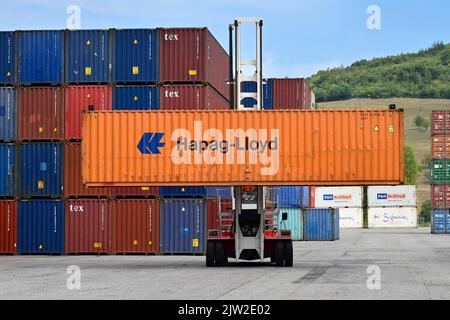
413, 263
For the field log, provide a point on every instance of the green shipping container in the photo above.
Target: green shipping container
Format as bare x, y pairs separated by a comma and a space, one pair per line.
440, 172
293, 223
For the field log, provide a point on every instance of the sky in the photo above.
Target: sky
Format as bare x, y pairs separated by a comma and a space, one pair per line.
301, 37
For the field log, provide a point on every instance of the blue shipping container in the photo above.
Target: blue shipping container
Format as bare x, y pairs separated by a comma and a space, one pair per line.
7, 57
293, 223
40, 227
135, 56
440, 222
40, 170
268, 95
8, 114
136, 98
289, 197
7, 170
41, 57
183, 226
182, 191
87, 56
321, 224
216, 192
304, 196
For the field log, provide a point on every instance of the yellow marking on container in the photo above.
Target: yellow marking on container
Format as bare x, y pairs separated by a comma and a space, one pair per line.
98, 244
88, 71
55, 130
88, 42
195, 243
192, 72
391, 128
40, 184
150, 243
183, 189
136, 98
145, 188
135, 243
8, 74
376, 129
88, 96
135, 70
41, 130
40, 247
136, 41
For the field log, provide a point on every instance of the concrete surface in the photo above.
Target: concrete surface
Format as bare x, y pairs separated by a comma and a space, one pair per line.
413, 265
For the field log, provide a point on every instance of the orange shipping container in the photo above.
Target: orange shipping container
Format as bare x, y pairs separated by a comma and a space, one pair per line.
215, 148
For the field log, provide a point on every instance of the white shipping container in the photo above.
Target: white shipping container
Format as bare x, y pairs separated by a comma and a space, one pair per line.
351, 218
337, 197
404, 217
391, 196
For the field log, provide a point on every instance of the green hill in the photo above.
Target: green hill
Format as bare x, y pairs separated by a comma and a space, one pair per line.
425, 74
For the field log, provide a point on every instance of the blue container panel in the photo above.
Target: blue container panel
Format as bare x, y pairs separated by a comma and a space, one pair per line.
441, 221
250, 86
41, 227
135, 57
183, 226
293, 223
7, 170
41, 57
289, 197
7, 57
268, 95
87, 56
182, 191
136, 98
40, 169
304, 197
8, 114
321, 224
216, 192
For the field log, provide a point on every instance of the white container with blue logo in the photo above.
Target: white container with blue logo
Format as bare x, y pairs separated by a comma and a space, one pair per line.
336, 197
391, 196
392, 217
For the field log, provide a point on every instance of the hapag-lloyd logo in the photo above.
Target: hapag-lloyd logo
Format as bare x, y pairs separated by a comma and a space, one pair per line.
213, 146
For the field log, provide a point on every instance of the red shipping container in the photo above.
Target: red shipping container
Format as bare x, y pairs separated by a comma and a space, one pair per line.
191, 97
80, 98
440, 122
87, 226
440, 196
41, 113
289, 94
73, 183
150, 192
193, 55
212, 210
8, 227
135, 226
440, 147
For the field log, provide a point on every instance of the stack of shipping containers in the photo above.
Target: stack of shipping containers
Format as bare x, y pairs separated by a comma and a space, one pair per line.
292, 200
392, 207
440, 172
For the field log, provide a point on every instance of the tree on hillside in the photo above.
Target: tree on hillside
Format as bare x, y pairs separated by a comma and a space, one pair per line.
411, 166
426, 124
418, 121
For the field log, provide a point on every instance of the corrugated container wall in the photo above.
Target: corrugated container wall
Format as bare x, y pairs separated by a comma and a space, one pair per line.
40, 227
440, 147
8, 170
216, 192
8, 114
41, 57
147, 192
289, 197
191, 97
268, 95
40, 169
289, 94
293, 223
73, 184
136, 98
135, 226
87, 226
440, 196
336, 197
135, 56
182, 191
351, 218
41, 113
193, 55
391, 196
7, 57
87, 56
440, 172
321, 224
440, 222
8, 227
392, 217
440, 122
360, 156
183, 226
80, 98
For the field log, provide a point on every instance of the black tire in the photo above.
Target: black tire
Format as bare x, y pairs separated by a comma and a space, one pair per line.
220, 254
279, 253
210, 253
288, 254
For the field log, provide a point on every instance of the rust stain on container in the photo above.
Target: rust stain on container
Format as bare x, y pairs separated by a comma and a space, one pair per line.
191, 97
166, 148
87, 226
41, 113
135, 226
8, 227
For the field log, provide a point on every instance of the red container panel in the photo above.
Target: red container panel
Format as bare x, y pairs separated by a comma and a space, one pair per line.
440, 196
73, 184
87, 226
8, 227
119, 192
440, 147
289, 94
80, 98
191, 97
41, 113
193, 55
135, 226
212, 210
440, 122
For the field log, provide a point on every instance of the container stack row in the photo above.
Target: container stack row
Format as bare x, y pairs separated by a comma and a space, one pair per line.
440, 171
